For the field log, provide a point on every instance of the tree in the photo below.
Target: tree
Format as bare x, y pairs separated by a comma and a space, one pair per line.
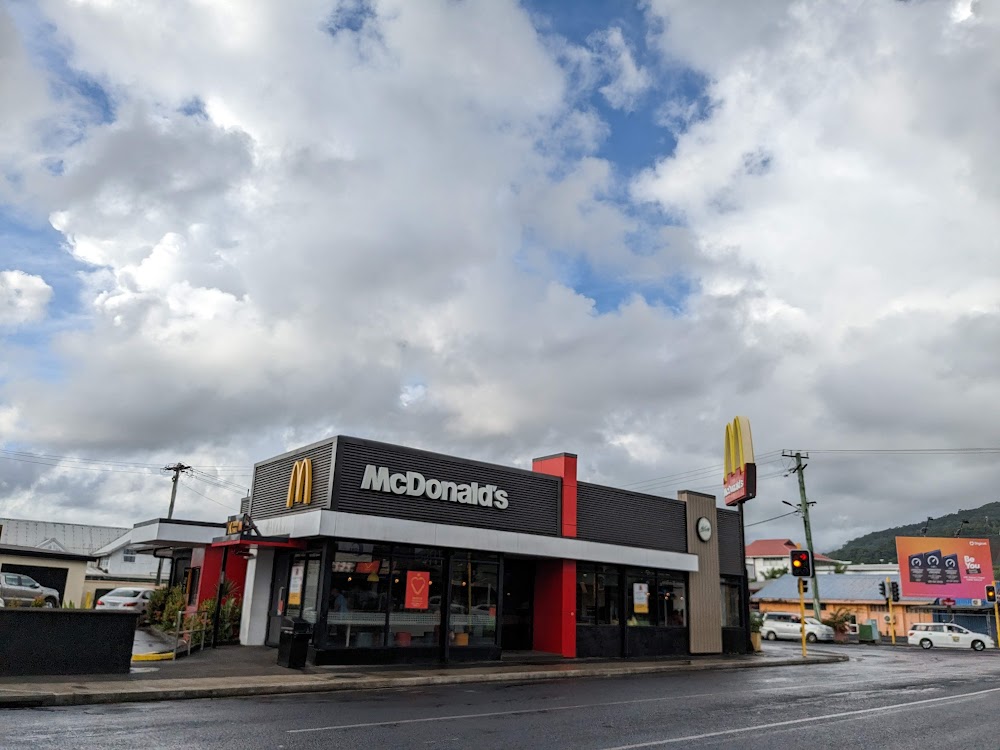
775, 573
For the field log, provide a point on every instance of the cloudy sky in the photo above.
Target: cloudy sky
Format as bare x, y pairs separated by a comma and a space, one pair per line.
500, 230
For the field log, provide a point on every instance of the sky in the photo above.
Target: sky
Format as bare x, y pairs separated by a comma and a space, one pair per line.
501, 230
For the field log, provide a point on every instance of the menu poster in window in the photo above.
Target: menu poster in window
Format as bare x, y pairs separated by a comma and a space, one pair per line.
295, 585
640, 598
418, 586
368, 567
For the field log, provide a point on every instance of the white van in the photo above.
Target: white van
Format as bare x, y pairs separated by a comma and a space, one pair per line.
787, 625
947, 635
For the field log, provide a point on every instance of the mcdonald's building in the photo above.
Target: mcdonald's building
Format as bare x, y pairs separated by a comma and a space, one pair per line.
394, 554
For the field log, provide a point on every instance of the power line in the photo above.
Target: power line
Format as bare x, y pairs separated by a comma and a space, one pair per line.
188, 486
60, 465
209, 479
684, 475
768, 520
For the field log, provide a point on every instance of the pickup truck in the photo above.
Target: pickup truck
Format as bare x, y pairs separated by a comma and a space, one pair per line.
15, 587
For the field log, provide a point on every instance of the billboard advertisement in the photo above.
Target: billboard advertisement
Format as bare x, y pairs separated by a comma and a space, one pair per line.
944, 567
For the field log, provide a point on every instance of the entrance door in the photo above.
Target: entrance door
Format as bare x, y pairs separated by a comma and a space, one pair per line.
518, 604
279, 595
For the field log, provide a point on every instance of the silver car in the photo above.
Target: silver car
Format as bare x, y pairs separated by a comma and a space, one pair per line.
15, 587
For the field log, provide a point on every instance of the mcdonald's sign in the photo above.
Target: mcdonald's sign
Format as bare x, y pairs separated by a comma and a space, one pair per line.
300, 485
739, 478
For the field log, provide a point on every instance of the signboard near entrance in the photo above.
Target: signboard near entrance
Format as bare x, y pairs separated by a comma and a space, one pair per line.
640, 598
295, 585
945, 567
418, 586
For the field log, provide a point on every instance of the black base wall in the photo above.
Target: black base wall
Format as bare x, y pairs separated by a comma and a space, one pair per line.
734, 641
408, 655
657, 642
65, 641
598, 640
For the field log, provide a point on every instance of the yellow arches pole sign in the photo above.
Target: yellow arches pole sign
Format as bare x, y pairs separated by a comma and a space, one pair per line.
300, 485
739, 479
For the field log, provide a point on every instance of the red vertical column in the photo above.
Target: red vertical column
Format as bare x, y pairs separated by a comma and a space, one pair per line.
555, 580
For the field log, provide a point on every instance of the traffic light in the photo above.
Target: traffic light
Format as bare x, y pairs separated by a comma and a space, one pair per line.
881, 590
805, 585
895, 591
800, 562
991, 594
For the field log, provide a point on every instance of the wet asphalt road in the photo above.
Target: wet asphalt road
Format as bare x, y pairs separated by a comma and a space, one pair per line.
882, 698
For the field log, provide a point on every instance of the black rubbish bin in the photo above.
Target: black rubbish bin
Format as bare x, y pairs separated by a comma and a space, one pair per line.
293, 642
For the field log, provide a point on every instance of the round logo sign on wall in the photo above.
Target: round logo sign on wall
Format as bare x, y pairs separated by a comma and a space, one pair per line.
704, 529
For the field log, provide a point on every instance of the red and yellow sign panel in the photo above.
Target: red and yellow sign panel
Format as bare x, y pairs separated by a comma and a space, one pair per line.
739, 477
418, 587
944, 567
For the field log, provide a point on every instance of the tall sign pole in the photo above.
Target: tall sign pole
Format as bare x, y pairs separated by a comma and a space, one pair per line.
739, 484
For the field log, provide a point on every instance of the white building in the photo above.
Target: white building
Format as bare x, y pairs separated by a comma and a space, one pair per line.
766, 555
118, 564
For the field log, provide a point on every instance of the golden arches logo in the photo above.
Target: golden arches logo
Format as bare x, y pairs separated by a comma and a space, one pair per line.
300, 484
739, 477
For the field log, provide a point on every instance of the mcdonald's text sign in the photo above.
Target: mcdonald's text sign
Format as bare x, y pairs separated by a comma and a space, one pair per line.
739, 479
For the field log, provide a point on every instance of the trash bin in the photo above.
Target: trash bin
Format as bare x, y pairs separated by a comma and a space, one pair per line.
293, 642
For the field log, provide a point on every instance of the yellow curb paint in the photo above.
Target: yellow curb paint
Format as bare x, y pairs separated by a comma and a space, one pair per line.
166, 656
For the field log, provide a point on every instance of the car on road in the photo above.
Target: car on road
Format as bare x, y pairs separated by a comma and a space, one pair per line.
131, 599
15, 587
947, 635
788, 625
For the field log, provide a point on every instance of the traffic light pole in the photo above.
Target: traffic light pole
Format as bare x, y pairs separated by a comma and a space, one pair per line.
996, 613
892, 616
802, 615
800, 469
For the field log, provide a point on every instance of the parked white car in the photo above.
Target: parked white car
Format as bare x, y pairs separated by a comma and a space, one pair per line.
133, 600
946, 635
787, 625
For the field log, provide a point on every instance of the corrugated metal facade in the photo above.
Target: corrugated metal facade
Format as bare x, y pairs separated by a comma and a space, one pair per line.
270, 482
613, 516
533, 498
731, 557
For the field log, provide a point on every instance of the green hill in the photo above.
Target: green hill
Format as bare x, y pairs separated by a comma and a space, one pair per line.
879, 546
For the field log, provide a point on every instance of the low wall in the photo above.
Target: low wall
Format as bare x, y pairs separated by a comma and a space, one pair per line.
36, 641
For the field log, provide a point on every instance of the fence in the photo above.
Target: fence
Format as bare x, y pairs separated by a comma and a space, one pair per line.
190, 628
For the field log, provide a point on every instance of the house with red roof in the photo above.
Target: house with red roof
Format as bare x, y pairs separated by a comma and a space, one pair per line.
765, 555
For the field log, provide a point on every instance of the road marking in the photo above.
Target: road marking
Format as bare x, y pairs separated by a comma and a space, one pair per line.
807, 719
546, 709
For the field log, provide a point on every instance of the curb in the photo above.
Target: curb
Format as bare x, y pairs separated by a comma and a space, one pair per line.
134, 693
158, 656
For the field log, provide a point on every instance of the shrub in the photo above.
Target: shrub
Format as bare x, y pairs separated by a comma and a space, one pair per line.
156, 602
229, 616
839, 620
756, 620
38, 601
173, 604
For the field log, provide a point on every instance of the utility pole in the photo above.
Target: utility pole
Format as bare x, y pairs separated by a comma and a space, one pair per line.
804, 509
177, 468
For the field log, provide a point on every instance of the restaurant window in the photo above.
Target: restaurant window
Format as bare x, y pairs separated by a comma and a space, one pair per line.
303, 587
359, 592
416, 595
597, 590
671, 599
472, 620
191, 583
640, 588
732, 611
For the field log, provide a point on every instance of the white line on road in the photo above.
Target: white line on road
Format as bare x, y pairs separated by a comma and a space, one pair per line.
807, 719
545, 709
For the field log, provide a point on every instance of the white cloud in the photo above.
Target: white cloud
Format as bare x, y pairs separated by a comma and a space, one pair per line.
379, 232
629, 80
23, 298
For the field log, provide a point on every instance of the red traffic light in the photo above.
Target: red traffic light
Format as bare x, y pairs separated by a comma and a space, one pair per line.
800, 562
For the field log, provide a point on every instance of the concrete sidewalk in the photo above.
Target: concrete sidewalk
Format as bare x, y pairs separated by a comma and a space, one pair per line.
208, 682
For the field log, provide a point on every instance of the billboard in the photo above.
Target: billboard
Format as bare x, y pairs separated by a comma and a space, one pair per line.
944, 567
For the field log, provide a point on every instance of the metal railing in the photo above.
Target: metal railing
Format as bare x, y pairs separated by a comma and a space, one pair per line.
191, 627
